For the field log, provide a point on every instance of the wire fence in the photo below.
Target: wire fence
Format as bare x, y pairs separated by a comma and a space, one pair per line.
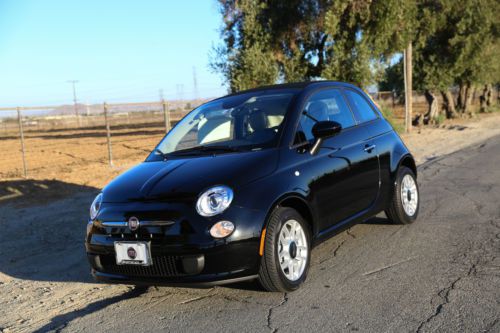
49, 141
37, 141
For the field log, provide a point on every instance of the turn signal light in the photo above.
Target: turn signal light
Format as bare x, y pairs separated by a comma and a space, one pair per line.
222, 229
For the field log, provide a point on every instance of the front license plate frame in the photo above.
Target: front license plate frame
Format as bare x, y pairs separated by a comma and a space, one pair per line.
142, 252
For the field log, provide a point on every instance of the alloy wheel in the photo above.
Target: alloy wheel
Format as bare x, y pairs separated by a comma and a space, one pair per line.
409, 195
292, 250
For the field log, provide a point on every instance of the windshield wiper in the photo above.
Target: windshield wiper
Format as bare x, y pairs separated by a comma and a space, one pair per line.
205, 149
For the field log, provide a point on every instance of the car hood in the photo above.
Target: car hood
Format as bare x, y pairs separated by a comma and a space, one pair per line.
183, 179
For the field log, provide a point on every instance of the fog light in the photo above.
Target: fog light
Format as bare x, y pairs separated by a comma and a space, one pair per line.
222, 229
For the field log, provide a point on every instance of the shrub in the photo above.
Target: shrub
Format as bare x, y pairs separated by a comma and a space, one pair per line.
389, 115
493, 108
440, 119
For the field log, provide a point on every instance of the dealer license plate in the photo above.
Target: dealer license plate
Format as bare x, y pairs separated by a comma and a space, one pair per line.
133, 253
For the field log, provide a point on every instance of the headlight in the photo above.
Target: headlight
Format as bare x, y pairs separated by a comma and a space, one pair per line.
222, 229
214, 201
96, 205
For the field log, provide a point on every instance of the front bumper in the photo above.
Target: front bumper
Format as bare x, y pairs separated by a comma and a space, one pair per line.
183, 253
178, 266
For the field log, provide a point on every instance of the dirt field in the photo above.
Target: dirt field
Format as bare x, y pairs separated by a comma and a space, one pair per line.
77, 156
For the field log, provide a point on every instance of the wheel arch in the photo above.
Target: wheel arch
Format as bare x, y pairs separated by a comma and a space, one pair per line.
406, 160
297, 202
409, 162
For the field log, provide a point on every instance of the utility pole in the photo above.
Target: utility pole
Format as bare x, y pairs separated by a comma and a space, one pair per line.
195, 84
180, 91
408, 66
74, 82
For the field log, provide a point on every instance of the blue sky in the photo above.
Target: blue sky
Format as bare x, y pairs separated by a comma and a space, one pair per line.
119, 50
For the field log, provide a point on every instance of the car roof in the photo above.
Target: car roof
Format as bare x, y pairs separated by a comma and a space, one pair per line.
295, 85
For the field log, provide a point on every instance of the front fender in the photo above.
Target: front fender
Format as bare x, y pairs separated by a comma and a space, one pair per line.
267, 193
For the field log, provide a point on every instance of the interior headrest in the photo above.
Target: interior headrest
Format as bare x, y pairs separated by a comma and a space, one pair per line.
257, 120
318, 110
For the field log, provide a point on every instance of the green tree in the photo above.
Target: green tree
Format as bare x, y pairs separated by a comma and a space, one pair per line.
454, 45
476, 47
246, 59
393, 79
282, 41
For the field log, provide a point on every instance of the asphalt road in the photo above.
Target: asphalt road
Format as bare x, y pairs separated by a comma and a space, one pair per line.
441, 273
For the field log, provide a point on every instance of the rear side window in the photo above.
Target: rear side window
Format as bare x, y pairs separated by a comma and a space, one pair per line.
363, 112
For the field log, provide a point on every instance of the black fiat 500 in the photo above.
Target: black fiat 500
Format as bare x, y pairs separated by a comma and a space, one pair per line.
244, 186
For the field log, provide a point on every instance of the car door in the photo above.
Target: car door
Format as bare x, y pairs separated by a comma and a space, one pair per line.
344, 173
366, 119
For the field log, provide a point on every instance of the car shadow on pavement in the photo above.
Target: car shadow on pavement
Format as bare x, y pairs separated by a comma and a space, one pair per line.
251, 285
43, 225
378, 220
59, 322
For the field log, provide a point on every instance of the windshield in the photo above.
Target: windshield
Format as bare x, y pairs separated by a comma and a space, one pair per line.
242, 122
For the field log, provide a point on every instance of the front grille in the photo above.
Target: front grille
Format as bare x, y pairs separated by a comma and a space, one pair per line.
163, 266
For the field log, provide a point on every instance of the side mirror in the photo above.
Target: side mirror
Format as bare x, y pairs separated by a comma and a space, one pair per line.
322, 130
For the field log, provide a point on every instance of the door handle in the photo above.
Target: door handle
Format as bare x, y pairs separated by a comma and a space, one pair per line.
369, 148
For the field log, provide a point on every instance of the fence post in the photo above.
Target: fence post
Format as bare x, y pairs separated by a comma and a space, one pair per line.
21, 135
108, 134
166, 115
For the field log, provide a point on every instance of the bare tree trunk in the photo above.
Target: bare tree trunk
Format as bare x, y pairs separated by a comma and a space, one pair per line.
489, 95
484, 99
469, 95
433, 112
449, 104
461, 96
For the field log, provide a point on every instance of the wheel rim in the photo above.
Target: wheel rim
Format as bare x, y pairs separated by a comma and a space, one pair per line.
409, 195
292, 250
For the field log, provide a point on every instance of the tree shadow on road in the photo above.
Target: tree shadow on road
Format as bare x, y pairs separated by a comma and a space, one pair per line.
59, 322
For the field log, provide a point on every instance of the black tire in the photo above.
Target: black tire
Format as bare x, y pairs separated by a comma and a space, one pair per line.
395, 211
271, 276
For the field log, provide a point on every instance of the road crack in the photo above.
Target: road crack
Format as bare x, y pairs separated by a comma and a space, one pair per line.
444, 295
270, 313
348, 231
335, 250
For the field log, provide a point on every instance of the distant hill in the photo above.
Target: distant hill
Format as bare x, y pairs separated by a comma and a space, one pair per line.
91, 109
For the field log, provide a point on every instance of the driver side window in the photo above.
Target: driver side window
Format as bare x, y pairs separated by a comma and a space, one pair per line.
328, 104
